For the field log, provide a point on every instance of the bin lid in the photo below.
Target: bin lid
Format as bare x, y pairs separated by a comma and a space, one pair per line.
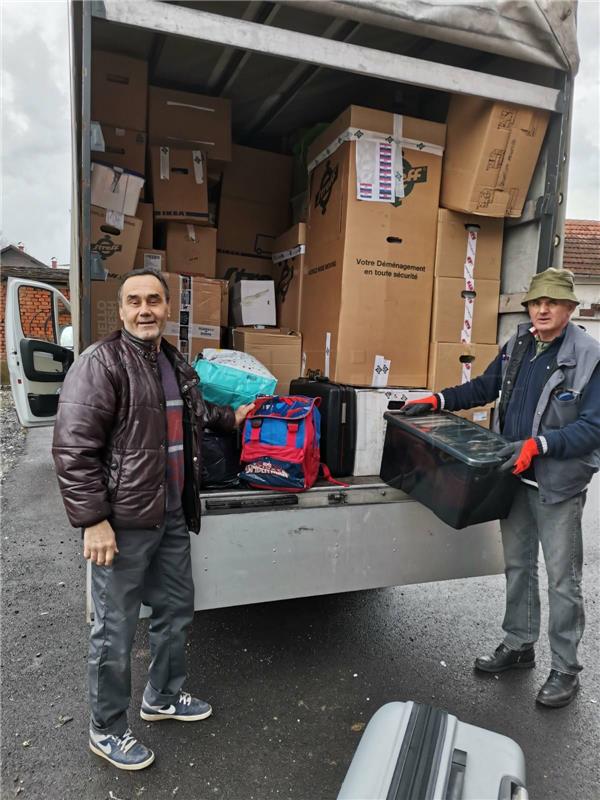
460, 438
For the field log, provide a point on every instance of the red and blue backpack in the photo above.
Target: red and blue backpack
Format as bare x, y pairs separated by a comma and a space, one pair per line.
280, 444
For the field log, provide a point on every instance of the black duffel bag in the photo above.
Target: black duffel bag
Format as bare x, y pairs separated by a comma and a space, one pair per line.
220, 459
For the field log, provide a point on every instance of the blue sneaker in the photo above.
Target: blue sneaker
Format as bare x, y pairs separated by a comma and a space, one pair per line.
123, 752
185, 709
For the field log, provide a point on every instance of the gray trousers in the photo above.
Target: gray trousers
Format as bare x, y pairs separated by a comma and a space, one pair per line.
152, 566
558, 528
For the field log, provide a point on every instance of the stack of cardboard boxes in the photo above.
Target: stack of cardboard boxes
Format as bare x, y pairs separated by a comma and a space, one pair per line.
391, 279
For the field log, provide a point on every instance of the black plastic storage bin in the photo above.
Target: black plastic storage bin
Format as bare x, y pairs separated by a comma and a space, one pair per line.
450, 465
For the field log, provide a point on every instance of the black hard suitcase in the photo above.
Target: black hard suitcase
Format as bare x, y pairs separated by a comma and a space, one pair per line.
410, 751
338, 421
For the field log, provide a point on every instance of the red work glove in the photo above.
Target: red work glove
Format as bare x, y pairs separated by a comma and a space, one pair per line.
422, 406
520, 455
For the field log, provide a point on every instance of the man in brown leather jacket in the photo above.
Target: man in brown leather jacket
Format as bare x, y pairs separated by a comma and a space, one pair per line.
127, 449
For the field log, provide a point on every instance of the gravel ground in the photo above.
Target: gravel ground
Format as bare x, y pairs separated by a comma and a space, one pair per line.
12, 435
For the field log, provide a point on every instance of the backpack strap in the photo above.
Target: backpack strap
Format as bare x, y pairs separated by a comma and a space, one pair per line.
324, 469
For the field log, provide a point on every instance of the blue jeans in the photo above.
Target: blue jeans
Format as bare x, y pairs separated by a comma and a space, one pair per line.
558, 528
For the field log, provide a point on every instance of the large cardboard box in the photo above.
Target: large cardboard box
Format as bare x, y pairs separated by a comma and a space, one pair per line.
255, 201
253, 303
195, 321
120, 147
468, 244
179, 185
288, 260
278, 349
154, 259
368, 275
491, 152
105, 307
145, 213
119, 90
184, 119
461, 314
116, 247
115, 189
452, 364
192, 249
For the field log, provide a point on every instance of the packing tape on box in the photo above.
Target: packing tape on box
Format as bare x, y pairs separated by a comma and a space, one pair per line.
370, 159
178, 104
381, 371
115, 219
469, 293
198, 162
191, 232
165, 172
286, 255
327, 354
97, 137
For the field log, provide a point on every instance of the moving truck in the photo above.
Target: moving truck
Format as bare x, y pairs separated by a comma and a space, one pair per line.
285, 67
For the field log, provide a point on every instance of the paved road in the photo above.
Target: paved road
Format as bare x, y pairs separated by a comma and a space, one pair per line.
293, 683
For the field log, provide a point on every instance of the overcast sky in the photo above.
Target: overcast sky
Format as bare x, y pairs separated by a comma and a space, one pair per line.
36, 167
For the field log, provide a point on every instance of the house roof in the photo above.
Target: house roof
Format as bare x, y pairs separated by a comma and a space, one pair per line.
16, 263
582, 247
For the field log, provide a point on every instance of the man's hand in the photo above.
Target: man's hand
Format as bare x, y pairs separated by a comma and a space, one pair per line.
422, 406
100, 544
519, 455
242, 412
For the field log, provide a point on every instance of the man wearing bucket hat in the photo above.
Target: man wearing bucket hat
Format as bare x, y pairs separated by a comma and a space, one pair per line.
547, 377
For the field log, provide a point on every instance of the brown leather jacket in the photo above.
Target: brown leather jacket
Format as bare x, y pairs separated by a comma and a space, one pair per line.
110, 447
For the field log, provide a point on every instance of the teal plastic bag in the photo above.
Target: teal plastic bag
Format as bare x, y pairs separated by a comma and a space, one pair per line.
229, 377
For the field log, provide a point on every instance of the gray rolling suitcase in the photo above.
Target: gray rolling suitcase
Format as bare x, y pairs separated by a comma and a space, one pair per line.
410, 751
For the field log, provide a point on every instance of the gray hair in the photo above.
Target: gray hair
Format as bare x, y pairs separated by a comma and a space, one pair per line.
134, 273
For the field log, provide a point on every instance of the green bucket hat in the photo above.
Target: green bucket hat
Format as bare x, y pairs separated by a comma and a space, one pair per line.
557, 284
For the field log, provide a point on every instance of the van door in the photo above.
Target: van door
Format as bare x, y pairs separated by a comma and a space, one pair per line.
39, 348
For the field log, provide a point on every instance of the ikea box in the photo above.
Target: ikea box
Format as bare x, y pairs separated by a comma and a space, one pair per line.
116, 189
253, 303
278, 349
371, 405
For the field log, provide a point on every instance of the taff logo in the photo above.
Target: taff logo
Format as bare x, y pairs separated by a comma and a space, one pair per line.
106, 247
327, 182
412, 175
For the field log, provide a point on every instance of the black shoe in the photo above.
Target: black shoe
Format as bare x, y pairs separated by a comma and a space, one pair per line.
559, 689
504, 658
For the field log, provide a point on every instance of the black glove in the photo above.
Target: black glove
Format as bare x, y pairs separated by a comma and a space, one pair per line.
424, 405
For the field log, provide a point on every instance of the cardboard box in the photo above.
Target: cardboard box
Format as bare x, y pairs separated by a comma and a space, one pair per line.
253, 303
155, 259
453, 364
491, 152
278, 349
145, 213
119, 147
119, 90
482, 415
460, 314
179, 185
288, 260
368, 274
195, 321
184, 119
192, 249
105, 307
117, 248
116, 190
229, 264
456, 244
255, 201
